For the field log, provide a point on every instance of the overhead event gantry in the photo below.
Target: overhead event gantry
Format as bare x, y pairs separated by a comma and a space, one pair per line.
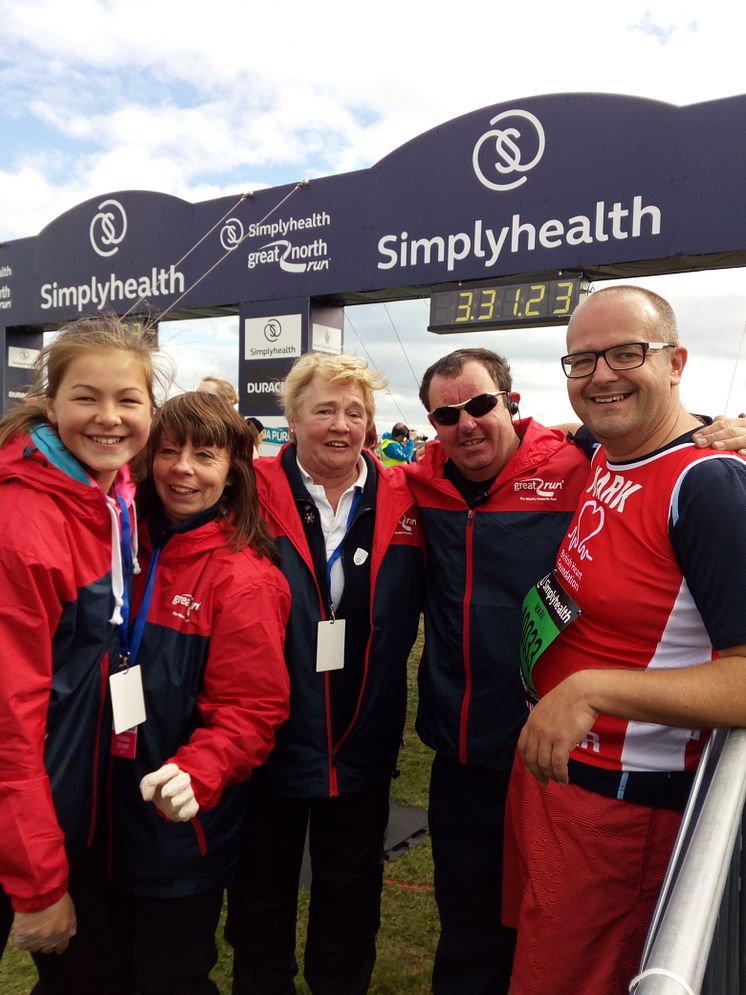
499, 216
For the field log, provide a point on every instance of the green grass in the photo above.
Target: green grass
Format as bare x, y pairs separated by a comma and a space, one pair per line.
409, 919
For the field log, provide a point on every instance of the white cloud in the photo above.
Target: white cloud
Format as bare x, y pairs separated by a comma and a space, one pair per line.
204, 100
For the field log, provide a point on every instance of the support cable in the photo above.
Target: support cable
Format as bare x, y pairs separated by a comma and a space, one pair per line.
735, 368
302, 185
373, 363
396, 333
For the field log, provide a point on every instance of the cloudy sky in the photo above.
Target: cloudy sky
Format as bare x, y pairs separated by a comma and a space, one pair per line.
203, 100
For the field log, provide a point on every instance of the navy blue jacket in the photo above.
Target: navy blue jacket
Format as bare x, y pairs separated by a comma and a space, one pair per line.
481, 563
345, 727
216, 689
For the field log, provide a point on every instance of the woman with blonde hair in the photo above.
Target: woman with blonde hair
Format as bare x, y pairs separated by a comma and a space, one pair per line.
349, 542
221, 388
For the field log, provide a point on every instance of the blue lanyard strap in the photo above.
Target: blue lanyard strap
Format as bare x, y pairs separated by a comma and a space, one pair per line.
356, 499
142, 615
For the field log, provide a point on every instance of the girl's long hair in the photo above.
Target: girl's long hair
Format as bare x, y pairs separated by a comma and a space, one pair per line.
98, 334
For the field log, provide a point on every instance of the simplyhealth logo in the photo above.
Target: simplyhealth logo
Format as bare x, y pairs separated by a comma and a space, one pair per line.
108, 228
514, 147
106, 232
501, 158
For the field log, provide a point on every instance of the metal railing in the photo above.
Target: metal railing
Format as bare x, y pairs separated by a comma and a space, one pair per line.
694, 944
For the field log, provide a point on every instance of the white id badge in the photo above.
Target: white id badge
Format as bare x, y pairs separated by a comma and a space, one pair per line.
330, 646
127, 699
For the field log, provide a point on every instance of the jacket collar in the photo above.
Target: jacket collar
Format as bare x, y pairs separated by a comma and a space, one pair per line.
538, 444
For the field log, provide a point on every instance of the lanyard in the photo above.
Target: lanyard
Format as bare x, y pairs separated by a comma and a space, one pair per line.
142, 615
356, 499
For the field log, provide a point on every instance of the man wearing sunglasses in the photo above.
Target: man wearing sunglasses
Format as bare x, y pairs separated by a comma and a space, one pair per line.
646, 654
496, 494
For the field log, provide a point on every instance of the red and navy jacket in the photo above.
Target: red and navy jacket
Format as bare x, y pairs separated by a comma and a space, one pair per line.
345, 726
481, 562
56, 634
216, 689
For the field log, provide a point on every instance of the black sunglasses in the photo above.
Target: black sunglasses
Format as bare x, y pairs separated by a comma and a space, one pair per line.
477, 406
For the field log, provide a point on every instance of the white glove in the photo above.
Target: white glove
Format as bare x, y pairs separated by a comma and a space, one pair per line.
48, 930
170, 790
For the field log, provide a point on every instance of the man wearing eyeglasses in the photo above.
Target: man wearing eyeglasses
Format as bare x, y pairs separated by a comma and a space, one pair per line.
634, 645
496, 494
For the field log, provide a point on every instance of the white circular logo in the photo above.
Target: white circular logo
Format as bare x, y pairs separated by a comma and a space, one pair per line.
108, 228
231, 234
272, 330
504, 142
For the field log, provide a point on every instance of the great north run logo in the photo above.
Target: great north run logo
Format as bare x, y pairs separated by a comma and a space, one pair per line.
287, 254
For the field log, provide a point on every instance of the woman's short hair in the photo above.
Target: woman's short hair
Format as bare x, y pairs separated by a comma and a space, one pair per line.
334, 369
206, 420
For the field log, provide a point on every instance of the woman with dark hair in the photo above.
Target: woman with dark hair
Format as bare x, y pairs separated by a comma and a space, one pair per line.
258, 429
209, 616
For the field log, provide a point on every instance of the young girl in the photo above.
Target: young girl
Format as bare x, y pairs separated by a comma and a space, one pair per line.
64, 558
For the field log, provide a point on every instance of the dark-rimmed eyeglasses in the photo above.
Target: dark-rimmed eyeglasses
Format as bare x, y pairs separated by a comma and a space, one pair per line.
628, 356
476, 406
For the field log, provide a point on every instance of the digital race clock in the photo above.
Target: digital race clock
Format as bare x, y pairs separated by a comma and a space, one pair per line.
485, 306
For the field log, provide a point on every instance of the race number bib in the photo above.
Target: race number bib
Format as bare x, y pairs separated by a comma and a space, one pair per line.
547, 610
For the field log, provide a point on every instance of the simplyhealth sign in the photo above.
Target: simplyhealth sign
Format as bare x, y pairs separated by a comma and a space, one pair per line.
594, 182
